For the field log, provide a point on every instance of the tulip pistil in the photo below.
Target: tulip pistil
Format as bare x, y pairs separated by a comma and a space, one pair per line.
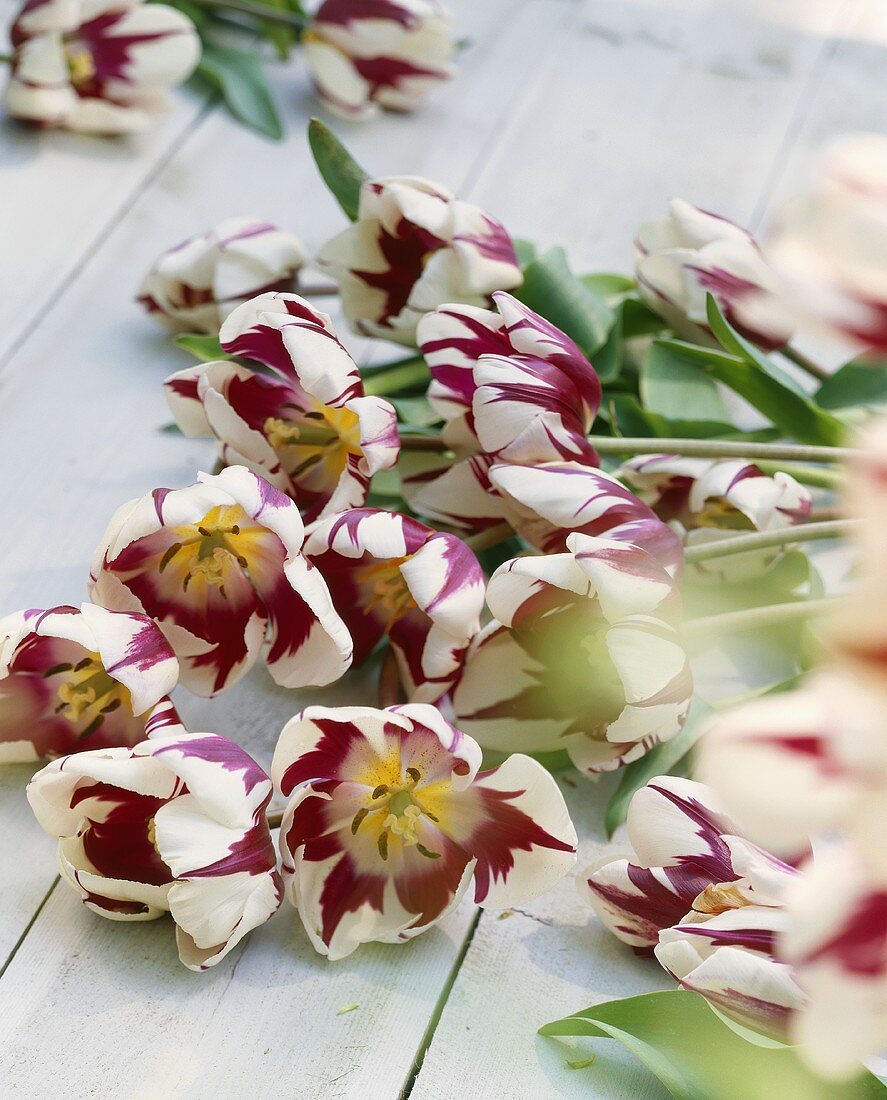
402, 815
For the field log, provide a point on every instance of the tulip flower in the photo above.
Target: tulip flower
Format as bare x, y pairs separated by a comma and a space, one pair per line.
193, 286
829, 246
707, 499
580, 656
382, 53
99, 67
836, 939
393, 577
729, 958
309, 431
74, 679
511, 388
706, 901
545, 503
805, 763
174, 825
413, 247
390, 822
692, 253
219, 566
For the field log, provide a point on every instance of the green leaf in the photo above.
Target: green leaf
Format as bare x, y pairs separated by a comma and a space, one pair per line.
748, 372
415, 411
552, 290
340, 171
630, 418
856, 383
660, 760
239, 77
675, 386
608, 284
697, 1057
524, 250
204, 348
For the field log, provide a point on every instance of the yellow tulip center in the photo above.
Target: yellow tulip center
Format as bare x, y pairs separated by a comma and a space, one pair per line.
719, 897
87, 693
403, 812
81, 64
389, 594
324, 435
213, 549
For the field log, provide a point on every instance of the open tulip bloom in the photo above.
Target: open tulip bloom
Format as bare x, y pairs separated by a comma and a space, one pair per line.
81, 678
389, 822
219, 566
708, 499
708, 903
195, 285
100, 67
176, 824
413, 247
512, 388
391, 576
692, 253
309, 429
581, 656
383, 53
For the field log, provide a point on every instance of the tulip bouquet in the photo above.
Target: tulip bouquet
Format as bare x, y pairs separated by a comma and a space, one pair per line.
103, 66
535, 523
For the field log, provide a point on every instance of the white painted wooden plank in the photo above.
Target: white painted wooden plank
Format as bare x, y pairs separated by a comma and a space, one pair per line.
59, 192
81, 399
679, 132
90, 1007
537, 965
642, 101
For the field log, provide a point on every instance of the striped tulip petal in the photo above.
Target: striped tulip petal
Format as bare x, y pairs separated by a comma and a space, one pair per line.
219, 566
728, 959
387, 53
578, 660
80, 678
176, 824
193, 286
836, 938
99, 67
392, 576
311, 432
389, 823
548, 501
413, 248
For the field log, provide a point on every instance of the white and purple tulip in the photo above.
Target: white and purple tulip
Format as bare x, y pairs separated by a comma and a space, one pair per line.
829, 246
707, 499
369, 54
545, 503
391, 576
193, 286
835, 937
413, 247
805, 763
176, 824
681, 259
511, 388
81, 678
219, 566
581, 656
390, 822
99, 67
704, 900
309, 429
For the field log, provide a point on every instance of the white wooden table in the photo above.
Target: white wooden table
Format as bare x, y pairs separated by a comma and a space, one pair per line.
572, 124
